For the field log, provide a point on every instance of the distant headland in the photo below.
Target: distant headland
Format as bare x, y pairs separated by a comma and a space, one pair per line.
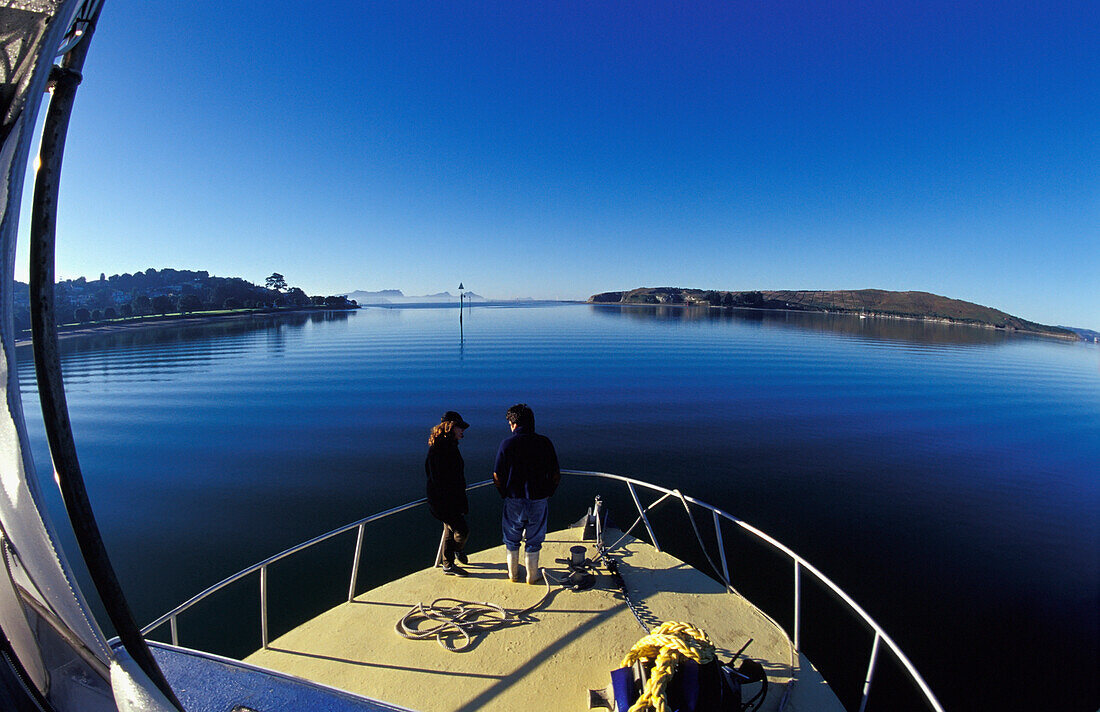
868, 302
396, 296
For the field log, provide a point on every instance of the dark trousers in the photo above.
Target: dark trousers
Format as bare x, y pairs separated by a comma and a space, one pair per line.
457, 532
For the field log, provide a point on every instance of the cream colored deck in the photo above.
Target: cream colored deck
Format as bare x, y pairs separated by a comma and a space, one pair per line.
569, 645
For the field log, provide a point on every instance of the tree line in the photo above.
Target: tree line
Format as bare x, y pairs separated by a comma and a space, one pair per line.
167, 291
733, 299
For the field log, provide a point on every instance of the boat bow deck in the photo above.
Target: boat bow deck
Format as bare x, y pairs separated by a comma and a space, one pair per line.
548, 661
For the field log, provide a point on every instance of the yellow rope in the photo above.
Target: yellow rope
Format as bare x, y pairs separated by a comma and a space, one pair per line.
667, 645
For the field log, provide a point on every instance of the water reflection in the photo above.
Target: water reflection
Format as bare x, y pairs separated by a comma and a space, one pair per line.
174, 333
871, 328
461, 334
276, 339
154, 353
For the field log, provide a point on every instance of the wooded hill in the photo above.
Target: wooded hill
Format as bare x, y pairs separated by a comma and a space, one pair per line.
165, 291
879, 302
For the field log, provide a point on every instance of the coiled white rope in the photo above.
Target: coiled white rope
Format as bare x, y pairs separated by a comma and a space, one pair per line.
455, 618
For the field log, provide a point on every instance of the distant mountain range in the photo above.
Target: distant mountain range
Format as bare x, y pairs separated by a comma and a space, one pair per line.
395, 296
870, 302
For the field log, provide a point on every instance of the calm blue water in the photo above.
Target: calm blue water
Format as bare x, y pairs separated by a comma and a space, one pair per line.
946, 477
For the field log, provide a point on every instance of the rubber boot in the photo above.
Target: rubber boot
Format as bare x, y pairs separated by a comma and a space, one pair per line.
533, 574
513, 566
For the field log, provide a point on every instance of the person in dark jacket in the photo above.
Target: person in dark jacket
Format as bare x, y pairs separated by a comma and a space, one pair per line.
526, 474
447, 488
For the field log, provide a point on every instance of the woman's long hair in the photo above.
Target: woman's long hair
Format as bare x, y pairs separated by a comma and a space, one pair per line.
442, 430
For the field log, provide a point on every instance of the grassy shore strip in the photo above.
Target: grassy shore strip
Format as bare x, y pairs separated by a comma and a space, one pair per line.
107, 326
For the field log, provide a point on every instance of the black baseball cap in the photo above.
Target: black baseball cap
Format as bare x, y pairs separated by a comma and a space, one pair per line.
453, 417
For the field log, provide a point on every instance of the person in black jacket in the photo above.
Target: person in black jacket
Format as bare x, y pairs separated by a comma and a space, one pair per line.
447, 488
526, 474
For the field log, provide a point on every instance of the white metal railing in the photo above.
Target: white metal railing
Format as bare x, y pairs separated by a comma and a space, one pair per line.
800, 565
171, 616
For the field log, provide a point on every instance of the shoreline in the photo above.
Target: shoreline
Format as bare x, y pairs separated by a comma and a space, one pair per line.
195, 318
73, 331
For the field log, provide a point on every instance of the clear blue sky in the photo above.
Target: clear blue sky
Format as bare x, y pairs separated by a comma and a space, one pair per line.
556, 149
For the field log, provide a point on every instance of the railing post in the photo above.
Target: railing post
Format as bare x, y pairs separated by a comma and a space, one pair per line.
870, 672
175, 631
355, 564
638, 504
263, 605
597, 510
442, 544
797, 603
721, 548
